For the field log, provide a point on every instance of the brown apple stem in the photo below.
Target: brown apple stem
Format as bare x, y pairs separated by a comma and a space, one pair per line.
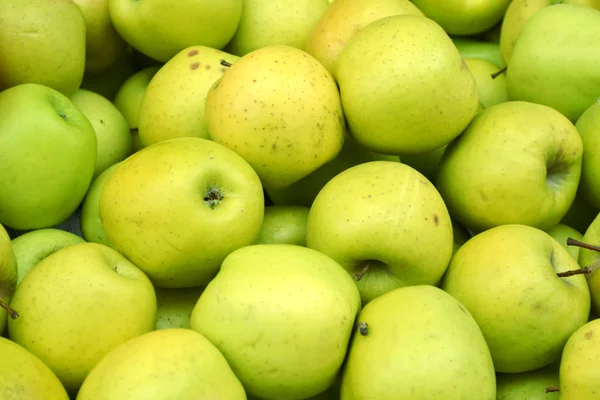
551, 389
587, 246
225, 63
358, 276
11, 311
498, 73
363, 328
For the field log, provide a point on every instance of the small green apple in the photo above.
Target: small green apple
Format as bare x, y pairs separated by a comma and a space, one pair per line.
175, 306
530, 385
8, 277
492, 90
284, 225
588, 126
47, 156
561, 232
473, 48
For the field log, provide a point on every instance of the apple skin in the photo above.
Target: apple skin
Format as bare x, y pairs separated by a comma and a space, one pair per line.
166, 364
8, 274
589, 257
57, 168
528, 385
175, 306
561, 233
159, 30
473, 48
516, 163
384, 218
161, 209
525, 311
492, 91
79, 303
588, 126
114, 142
32, 247
284, 225
24, 376
43, 42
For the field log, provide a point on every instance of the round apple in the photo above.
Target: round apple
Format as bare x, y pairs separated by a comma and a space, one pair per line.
175, 306
492, 90
284, 225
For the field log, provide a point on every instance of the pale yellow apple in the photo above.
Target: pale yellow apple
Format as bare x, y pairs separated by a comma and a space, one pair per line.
175, 306
492, 91
579, 376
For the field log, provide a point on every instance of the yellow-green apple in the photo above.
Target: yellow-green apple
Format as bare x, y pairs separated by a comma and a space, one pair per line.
47, 156
529, 385
175, 306
8, 277
284, 127
103, 45
284, 225
473, 48
77, 304
32, 247
128, 100
417, 343
525, 309
108, 82
90, 221
492, 90
160, 30
177, 208
343, 19
560, 71
404, 86
286, 321
114, 142
166, 364
26, 377
589, 257
385, 223
304, 191
579, 376
43, 42
174, 100
516, 163
588, 126
562, 232
280, 22
580, 214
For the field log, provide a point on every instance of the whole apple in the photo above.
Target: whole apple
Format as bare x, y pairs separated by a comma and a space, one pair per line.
474, 48
284, 225
492, 90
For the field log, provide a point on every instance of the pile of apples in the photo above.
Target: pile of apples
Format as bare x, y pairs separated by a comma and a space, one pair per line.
307, 199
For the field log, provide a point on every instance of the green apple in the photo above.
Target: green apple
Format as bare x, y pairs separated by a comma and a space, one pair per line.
160, 30
590, 258
492, 90
8, 277
128, 100
32, 247
284, 127
114, 142
25, 377
281, 22
343, 19
385, 223
579, 375
174, 100
473, 48
167, 364
90, 221
43, 42
530, 385
304, 191
286, 322
404, 86
47, 156
580, 214
525, 310
561, 232
103, 45
175, 306
588, 126
284, 225
108, 82
558, 70
77, 304
418, 343
516, 163
178, 207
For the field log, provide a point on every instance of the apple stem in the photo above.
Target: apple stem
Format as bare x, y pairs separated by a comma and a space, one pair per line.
498, 73
225, 63
588, 270
11, 311
552, 389
587, 246
359, 275
363, 328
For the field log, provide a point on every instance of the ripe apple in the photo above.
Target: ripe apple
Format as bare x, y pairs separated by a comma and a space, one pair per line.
525, 310
24, 376
8, 277
343, 19
280, 22
473, 48
588, 126
530, 385
284, 225
43, 42
175, 306
417, 343
386, 224
32, 247
561, 233
516, 163
114, 142
589, 257
47, 156
160, 30
166, 364
404, 86
178, 207
492, 90
174, 100
284, 127
77, 304
282, 315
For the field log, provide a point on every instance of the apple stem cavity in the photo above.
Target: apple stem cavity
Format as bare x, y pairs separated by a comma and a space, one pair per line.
359, 275
11, 311
552, 389
226, 63
212, 197
498, 73
363, 328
